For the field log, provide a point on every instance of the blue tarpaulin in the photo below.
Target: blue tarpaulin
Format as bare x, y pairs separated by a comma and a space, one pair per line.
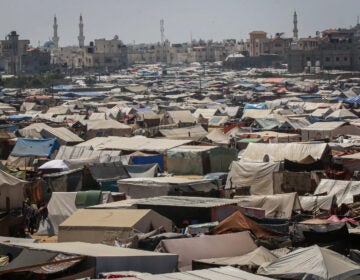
19, 118
25, 147
159, 159
260, 106
355, 99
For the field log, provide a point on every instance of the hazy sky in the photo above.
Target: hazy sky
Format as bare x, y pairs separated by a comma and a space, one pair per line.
139, 20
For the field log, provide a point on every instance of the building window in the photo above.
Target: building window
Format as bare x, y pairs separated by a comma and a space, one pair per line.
308, 59
337, 58
327, 59
345, 58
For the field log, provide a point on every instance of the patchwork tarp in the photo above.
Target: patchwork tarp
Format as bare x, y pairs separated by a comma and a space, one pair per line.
312, 263
256, 175
35, 147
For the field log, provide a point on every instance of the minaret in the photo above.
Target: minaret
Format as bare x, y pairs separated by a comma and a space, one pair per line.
81, 36
295, 30
55, 37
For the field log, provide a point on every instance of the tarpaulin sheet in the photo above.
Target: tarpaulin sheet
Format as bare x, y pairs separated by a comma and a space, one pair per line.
159, 159
35, 147
142, 171
238, 222
257, 175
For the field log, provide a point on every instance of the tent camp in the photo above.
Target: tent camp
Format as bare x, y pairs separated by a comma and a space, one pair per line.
312, 263
11, 191
259, 176
214, 246
105, 225
280, 152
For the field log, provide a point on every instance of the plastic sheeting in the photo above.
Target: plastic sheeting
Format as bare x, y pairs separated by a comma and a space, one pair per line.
215, 246
343, 190
312, 263
35, 147
257, 175
142, 171
276, 206
278, 152
239, 222
146, 159
13, 188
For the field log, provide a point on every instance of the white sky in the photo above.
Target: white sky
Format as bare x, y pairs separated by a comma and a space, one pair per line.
139, 20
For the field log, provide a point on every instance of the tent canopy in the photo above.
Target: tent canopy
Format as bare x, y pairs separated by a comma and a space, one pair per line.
312, 263
35, 147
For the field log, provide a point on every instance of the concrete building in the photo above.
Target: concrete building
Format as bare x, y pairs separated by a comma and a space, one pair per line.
335, 49
11, 50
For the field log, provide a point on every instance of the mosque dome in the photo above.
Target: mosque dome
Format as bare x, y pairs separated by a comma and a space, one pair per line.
49, 44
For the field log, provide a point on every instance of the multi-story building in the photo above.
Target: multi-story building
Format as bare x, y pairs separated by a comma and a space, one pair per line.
11, 50
335, 49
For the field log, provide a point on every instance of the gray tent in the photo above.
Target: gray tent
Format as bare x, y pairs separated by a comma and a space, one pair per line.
312, 263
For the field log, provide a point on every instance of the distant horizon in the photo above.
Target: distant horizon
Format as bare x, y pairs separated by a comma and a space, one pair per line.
139, 20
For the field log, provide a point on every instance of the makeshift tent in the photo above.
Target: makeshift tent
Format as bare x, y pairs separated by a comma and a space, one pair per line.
142, 171
248, 262
143, 158
35, 147
214, 246
343, 190
102, 225
102, 128
199, 160
280, 152
60, 207
228, 273
158, 186
11, 189
239, 222
276, 206
325, 233
312, 263
190, 208
194, 132
105, 258
259, 176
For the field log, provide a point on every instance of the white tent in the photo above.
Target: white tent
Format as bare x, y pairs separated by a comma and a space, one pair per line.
11, 188
257, 175
312, 263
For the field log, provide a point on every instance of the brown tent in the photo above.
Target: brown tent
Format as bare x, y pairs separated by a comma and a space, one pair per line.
238, 222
